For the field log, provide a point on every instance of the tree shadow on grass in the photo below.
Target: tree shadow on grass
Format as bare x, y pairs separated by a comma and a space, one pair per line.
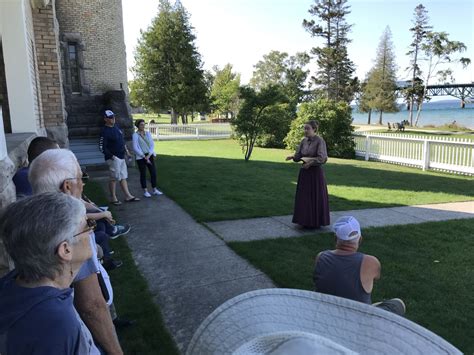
217, 188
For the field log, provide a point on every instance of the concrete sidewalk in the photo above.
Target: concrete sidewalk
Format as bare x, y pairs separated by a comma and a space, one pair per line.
282, 227
189, 270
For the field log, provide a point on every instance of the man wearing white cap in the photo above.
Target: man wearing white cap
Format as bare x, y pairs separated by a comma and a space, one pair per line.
112, 145
347, 273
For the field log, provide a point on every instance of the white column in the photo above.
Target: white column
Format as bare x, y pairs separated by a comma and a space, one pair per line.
15, 43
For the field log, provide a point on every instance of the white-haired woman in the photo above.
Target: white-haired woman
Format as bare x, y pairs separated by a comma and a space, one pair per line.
47, 236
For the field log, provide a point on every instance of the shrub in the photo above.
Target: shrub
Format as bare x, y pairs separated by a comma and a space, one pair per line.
276, 125
335, 127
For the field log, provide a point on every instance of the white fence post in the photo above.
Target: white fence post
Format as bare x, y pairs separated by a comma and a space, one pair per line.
197, 132
157, 133
426, 154
367, 147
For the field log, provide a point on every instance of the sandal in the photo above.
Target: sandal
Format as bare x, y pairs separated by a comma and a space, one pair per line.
116, 203
133, 199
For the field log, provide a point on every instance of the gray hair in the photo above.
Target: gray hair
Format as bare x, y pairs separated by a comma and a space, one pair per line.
49, 170
33, 227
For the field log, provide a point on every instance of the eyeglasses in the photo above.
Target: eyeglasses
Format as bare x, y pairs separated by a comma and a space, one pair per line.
91, 225
84, 178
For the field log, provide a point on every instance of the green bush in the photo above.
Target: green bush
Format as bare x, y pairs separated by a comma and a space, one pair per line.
276, 125
334, 126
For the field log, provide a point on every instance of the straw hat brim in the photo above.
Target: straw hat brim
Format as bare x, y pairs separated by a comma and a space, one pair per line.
357, 326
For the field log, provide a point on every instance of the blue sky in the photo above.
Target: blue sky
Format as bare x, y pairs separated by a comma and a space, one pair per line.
240, 32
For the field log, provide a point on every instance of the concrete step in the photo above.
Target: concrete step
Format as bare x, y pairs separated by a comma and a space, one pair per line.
87, 152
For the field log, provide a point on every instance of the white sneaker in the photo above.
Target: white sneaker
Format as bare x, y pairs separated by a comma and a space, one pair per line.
157, 192
146, 194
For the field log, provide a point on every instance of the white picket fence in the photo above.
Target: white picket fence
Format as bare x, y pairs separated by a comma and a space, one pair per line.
453, 155
190, 131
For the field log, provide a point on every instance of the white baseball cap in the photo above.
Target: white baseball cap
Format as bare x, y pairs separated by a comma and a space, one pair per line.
347, 228
109, 114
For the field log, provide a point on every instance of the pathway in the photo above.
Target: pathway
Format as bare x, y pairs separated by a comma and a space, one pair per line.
281, 226
191, 271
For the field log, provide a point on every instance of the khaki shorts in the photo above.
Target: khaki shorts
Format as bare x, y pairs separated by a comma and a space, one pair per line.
118, 169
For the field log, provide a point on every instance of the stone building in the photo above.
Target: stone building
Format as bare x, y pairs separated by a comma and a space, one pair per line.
61, 63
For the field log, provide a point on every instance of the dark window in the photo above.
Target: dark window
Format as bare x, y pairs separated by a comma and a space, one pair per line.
74, 67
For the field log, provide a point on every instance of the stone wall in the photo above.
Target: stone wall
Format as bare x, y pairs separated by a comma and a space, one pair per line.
7, 125
49, 72
98, 27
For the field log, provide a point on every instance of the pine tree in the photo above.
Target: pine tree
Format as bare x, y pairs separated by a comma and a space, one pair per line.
168, 67
379, 91
419, 31
334, 76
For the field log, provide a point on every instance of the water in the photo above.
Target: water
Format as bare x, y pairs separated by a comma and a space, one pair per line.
435, 113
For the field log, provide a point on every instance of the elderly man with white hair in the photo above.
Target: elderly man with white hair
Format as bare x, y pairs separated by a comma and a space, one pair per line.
345, 272
57, 170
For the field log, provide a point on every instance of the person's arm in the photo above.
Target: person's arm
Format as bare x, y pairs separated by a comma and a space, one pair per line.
101, 215
136, 146
151, 143
321, 155
298, 155
103, 145
94, 312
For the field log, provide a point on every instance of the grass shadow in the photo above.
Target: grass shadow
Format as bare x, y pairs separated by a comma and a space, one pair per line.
213, 189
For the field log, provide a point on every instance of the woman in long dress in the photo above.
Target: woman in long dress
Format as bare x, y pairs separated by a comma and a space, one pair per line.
311, 200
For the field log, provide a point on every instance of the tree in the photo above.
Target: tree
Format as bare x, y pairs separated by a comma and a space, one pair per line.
168, 67
289, 74
278, 68
225, 91
335, 126
419, 31
379, 91
438, 50
334, 76
249, 122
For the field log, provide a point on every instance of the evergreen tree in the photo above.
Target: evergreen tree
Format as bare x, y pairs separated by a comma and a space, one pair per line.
379, 91
225, 91
419, 31
168, 67
334, 76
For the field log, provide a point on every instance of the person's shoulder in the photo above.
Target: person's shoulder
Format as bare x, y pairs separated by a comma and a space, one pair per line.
371, 260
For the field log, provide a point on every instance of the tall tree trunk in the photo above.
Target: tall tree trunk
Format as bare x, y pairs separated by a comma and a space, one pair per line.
370, 115
174, 116
380, 117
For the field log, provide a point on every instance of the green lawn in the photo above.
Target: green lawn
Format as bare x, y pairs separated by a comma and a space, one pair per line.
211, 181
428, 265
133, 300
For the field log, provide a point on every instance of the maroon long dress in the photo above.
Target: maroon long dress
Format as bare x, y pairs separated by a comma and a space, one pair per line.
311, 199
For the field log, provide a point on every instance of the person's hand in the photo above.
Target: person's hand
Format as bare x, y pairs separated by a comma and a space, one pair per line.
306, 166
289, 157
108, 216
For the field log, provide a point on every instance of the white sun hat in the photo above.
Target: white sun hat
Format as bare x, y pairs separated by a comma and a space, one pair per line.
288, 321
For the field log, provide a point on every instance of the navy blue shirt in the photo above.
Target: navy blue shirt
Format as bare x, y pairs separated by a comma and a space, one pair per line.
22, 184
112, 142
41, 321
